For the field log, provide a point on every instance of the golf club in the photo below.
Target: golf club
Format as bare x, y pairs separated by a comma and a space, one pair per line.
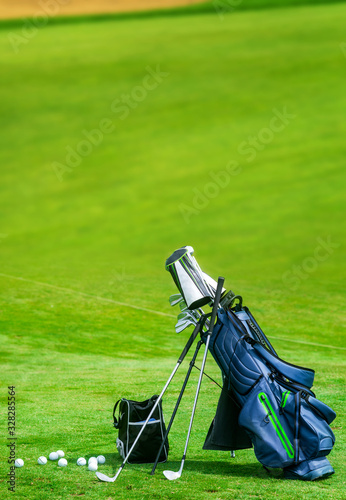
181, 325
171, 475
103, 477
188, 278
188, 315
192, 364
183, 305
175, 299
196, 312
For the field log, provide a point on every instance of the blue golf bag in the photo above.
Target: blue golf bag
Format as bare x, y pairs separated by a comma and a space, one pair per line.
276, 408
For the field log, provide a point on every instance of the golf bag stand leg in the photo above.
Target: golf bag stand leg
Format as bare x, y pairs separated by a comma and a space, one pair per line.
191, 340
175, 475
192, 363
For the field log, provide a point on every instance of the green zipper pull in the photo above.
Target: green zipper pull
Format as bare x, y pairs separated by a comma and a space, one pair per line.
284, 399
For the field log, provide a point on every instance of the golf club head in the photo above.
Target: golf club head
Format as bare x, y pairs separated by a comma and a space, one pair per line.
197, 314
196, 287
103, 477
186, 315
183, 305
171, 475
181, 325
188, 277
182, 315
175, 299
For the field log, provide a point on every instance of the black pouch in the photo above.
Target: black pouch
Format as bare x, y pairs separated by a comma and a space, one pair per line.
132, 416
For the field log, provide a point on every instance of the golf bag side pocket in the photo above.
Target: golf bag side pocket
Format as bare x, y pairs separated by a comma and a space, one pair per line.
272, 438
132, 416
318, 438
284, 427
321, 409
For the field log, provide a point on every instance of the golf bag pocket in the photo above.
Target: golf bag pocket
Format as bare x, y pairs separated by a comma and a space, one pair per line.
232, 356
318, 438
272, 438
132, 417
243, 373
285, 429
321, 409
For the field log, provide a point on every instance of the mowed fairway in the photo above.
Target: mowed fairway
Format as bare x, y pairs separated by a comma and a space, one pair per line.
171, 167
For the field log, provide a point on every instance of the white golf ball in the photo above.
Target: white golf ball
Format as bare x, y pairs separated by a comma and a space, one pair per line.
42, 460
101, 459
92, 459
62, 462
19, 462
53, 455
60, 453
92, 466
81, 461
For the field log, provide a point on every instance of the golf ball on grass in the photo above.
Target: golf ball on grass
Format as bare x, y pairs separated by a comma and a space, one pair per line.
42, 460
19, 462
81, 461
92, 466
92, 459
62, 462
53, 455
60, 453
101, 459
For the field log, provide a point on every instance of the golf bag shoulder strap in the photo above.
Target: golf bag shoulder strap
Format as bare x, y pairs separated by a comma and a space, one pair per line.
116, 422
299, 374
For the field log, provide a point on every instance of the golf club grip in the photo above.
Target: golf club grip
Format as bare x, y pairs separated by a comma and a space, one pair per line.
190, 342
218, 293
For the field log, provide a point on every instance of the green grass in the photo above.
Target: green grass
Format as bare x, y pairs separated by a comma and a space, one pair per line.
102, 234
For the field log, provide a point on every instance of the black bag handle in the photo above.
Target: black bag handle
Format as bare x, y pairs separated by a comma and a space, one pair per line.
116, 422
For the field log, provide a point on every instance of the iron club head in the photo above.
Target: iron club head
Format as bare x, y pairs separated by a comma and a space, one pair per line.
103, 477
182, 324
175, 299
171, 475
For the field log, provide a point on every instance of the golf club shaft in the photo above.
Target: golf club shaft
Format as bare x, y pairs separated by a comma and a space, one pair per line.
176, 406
210, 331
180, 360
190, 342
218, 293
195, 402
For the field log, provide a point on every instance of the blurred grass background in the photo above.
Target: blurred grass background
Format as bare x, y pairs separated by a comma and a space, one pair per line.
106, 229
